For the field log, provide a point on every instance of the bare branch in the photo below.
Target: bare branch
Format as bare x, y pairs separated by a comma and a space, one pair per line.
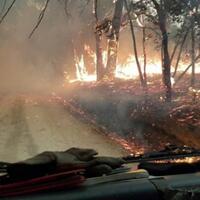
7, 11
180, 52
156, 4
175, 49
41, 16
135, 45
95, 10
66, 8
3, 7
184, 72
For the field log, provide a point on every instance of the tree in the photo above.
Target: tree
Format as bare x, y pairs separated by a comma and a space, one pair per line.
193, 52
98, 37
166, 68
142, 78
190, 15
113, 39
194, 9
160, 13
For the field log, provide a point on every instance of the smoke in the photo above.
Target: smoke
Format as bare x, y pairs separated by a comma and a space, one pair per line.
37, 63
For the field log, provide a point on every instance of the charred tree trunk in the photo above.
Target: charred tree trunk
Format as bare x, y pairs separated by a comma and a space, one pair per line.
99, 59
166, 62
113, 40
178, 42
185, 71
193, 54
145, 55
166, 67
99, 56
135, 47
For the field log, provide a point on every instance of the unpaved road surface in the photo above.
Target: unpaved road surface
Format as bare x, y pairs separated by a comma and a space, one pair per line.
30, 125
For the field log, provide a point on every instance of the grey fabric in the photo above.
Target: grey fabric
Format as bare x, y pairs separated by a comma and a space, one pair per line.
73, 158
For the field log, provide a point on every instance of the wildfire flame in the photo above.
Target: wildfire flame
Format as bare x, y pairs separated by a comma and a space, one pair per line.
126, 70
81, 72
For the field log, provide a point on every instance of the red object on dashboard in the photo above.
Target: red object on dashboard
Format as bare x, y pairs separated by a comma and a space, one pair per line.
59, 181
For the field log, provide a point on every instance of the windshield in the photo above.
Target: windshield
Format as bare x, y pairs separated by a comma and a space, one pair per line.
120, 77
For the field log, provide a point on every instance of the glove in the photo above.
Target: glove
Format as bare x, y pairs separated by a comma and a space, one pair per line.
52, 162
103, 165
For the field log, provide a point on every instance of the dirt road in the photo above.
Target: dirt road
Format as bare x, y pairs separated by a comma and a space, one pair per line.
29, 125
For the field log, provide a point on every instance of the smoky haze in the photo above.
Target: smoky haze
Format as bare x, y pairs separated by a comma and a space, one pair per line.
37, 63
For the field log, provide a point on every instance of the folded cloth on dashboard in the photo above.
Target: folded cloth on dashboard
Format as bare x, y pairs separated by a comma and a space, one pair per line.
49, 162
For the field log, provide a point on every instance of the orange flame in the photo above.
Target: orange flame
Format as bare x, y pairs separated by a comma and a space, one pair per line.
127, 70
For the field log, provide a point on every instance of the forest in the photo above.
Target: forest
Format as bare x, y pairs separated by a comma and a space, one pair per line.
139, 78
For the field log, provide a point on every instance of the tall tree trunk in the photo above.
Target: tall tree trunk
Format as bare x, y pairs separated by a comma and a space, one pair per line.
144, 54
99, 56
135, 47
166, 63
180, 52
114, 39
185, 71
193, 54
166, 66
178, 42
99, 59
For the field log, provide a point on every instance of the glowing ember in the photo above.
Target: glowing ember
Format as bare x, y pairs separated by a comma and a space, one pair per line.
188, 160
182, 160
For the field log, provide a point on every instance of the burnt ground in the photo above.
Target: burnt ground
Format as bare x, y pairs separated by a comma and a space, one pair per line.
144, 120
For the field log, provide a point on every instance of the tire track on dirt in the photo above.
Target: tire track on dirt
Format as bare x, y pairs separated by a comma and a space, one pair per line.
30, 125
20, 141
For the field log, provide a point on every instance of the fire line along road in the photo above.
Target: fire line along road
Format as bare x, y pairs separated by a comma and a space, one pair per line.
30, 125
